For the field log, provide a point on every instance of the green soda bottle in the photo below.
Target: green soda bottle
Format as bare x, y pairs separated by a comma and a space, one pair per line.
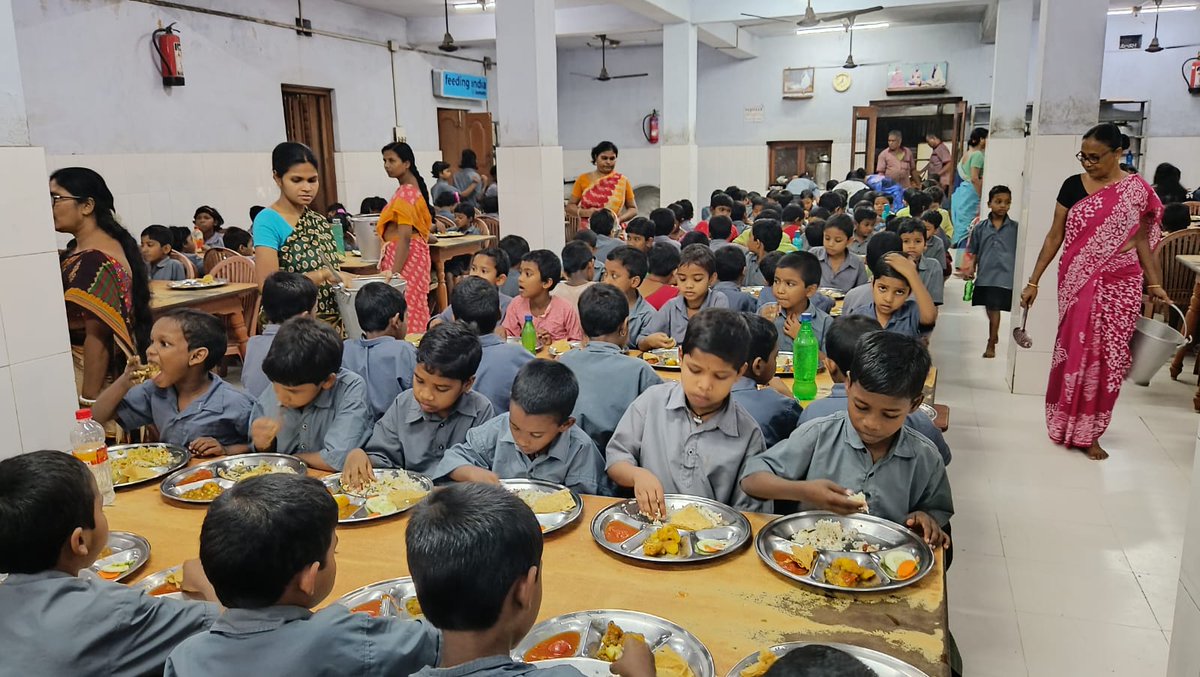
805, 353
529, 335
969, 291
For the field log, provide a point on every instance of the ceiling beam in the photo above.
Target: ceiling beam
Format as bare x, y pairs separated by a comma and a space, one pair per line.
730, 39
715, 11
987, 27
662, 11
568, 22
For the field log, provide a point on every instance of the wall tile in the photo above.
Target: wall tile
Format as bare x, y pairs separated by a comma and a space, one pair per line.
25, 202
10, 431
44, 390
31, 301
1189, 574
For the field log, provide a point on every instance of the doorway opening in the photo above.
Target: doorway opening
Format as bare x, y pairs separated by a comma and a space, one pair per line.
871, 124
788, 159
308, 119
459, 129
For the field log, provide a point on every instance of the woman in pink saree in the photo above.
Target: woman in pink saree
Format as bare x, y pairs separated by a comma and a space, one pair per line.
1107, 223
604, 188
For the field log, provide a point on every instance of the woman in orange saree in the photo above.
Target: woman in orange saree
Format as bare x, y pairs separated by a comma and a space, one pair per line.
604, 188
404, 227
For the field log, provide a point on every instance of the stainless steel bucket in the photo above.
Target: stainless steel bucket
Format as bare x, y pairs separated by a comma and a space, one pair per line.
365, 236
345, 300
1152, 345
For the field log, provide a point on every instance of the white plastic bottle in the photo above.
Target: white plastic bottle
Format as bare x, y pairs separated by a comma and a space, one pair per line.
88, 445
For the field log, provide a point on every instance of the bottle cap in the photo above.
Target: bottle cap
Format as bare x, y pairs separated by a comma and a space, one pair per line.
806, 317
83, 414
529, 318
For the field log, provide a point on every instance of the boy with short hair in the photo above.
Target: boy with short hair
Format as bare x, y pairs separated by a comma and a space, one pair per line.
269, 545
937, 196
284, 296
912, 238
516, 247
864, 227
840, 347
455, 534
191, 406
1175, 217
608, 379
578, 262
766, 236
689, 436
775, 411
537, 438
865, 448
694, 238
695, 276
900, 302
992, 255
797, 277
473, 301
554, 318
730, 266
664, 224
444, 204
239, 241
719, 204
488, 264
156, 252
882, 244
602, 224
839, 268
435, 414
315, 409
640, 234
464, 218
935, 247
52, 526
767, 268
626, 269
659, 286
720, 232
916, 202
381, 356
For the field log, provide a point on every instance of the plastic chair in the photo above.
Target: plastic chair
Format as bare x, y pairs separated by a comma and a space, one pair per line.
445, 223
482, 226
216, 255
240, 269
188, 266
493, 225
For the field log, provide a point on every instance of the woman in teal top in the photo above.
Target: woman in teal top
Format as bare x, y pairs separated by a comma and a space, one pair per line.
965, 202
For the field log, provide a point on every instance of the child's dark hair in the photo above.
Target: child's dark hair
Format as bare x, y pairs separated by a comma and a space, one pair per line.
663, 259
160, 234
805, 263
44, 497
818, 660
445, 199
677, 210
372, 205
236, 238
720, 332
793, 213
602, 222
451, 350
499, 259
515, 246
738, 211
917, 201
864, 214
587, 237
907, 226
831, 201
201, 330
880, 245
577, 256
179, 237
769, 232
1175, 217
818, 212
467, 545
663, 220
892, 223
305, 352
936, 194
720, 199
694, 237
438, 167
633, 260
784, 198
476, 303
549, 267
376, 303
842, 222
489, 204
843, 335
698, 255
689, 210
218, 221
544, 387
933, 218
884, 269
286, 295
261, 532
720, 228
466, 210
768, 264
763, 337
730, 264
254, 212
640, 226
814, 233
999, 189
602, 309
890, 363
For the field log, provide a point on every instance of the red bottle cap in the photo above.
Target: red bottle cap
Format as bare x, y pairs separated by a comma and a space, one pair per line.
83, 415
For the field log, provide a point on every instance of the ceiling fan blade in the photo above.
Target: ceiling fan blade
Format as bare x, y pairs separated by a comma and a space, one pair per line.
589, 77
766, 18
848, 15
1181, 46
632, 75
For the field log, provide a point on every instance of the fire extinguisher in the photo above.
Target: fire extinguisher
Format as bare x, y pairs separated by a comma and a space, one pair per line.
650, 126
1192, 79
170, 55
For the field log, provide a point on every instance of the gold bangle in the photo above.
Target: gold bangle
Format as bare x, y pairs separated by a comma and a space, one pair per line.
1152, 286
1031, 284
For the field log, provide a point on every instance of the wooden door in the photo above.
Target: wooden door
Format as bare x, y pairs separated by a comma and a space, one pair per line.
308, 119
459, 129
794, 158
862, 138
960, 118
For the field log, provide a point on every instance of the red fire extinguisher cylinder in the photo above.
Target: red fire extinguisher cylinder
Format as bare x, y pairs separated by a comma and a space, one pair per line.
170, 55
650, 127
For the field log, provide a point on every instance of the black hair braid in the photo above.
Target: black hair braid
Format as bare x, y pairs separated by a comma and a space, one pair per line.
106, 219
424, 192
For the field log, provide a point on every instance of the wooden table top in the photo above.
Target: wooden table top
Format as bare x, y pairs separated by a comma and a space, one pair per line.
736, 605
1192, 261
444, 242
163, 297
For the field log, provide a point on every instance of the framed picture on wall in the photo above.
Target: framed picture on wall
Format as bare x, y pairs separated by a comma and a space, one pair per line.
910, 78
798, 83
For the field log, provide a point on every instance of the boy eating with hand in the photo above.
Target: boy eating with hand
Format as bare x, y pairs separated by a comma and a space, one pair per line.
772, 406
156, 252
896, 280
381, 356
865, 447
695, 276
191, 406
554, 318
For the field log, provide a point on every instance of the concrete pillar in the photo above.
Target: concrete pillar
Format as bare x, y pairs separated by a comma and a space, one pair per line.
679, 159
529, 156
1066, 103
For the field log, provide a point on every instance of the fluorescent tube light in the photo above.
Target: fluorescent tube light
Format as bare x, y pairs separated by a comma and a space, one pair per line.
870, 25
1128, 11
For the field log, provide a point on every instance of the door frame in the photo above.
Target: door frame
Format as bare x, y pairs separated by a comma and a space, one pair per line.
487, 157
327, 168
878, 107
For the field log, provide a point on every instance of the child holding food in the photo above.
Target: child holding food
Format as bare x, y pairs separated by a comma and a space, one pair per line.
455, 534
625, 269
772, 406
474, 305
689, 436
52, 526
435, 414
284, 296
268, 544
381, 356
191, 406
797, 276
554, 318
608, 379
315, 409
492, 265
696, 275
865, 448
536, 439
156, 252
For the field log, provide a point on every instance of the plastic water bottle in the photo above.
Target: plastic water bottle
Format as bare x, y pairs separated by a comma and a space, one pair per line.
805, 353
799, 241
529, 335
339, 235
887, 211
89, 446
969, 291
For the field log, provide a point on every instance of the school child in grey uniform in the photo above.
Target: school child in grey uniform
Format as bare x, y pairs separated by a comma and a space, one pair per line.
730, 268
775, 412
536, 439
435, 415
625, 269
453, 535
683, 437
866, 448
381, 356
912, 237
185, 345
796, 278
156, 252
284, 296
269, 572
474, 304
696, 274
492, 265
315, 409
52, 526
900, 301
602, 224
609, 380
516, 247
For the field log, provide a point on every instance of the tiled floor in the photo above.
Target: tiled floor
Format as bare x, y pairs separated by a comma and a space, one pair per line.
1063, 566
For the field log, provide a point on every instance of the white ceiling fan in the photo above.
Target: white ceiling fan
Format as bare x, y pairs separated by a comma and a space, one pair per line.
811, 18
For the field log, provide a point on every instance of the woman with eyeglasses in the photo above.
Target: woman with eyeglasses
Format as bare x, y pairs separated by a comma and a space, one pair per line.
1107, 223
105, 283
964, 203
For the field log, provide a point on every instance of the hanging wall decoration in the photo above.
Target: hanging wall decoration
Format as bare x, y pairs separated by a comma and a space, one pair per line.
798, 83
911, 78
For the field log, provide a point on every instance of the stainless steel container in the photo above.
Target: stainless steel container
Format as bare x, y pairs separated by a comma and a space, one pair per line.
345, 300
364, 235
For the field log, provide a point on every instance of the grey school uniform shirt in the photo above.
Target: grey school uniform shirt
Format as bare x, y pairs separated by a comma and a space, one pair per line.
836, 401
253, 379
775, 414
407, 437
54, 623
604, 246
498, 666
931, 276
857, 298
640, 316
995, 253
167, 269
499, 366
910, 477
386, 364
820, 324
672, 318
222, 413
753, 276
906, 321
608, 383
738, 299
705, 459
572, 459
852, 273
290, 640
447, 315
337, 421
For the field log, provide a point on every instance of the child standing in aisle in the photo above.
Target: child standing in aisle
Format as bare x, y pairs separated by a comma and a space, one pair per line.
991, 256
